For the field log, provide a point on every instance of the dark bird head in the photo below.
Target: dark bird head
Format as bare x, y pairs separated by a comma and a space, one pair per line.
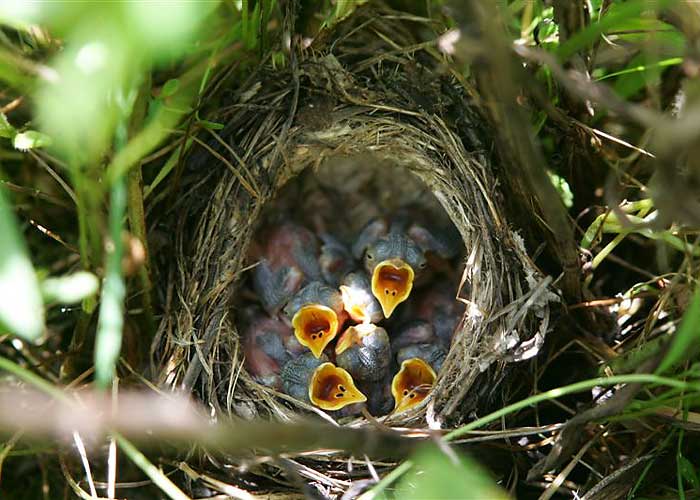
364, 351
393, 262
413, 332
432, 353
268, 344
286, 260
335, 260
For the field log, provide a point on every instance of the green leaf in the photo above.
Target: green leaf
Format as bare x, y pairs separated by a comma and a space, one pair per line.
6, 130
688, 472
70, 289
111, 318
211, 125
615, 17
31, 139
170, 87
436, 476
686, 339
562, 188
21, 310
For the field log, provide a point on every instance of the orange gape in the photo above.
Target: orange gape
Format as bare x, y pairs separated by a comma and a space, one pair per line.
392, 282
332, 388
315, 326
412, 383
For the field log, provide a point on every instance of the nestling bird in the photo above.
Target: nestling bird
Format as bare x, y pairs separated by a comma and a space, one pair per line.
379, 398
335, 260
412, 383
363, 350
358, 300
433, 354
439, 306
394, 252
317, 381
317, 313
288, 259
268, 344
413, 332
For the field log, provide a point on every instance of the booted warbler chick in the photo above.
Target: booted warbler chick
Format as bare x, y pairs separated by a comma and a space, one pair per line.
287, 259
363, 350
319, 382
412, 384
394, 253
316, 312
432, 354
358, 300
268, 344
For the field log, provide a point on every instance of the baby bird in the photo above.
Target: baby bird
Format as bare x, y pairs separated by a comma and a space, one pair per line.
317, 381
432, 354
412, 383
363, 350
358, 300
413, 332
335, 260
394, 252
268, 344
439, 306
379, 398
317, 313
288, 259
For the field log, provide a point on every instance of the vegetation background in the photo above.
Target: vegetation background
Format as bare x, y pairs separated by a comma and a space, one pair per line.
101, 101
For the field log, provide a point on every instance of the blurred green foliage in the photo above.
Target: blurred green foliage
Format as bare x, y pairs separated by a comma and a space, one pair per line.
436, 474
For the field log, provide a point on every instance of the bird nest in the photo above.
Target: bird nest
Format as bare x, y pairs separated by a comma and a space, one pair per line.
366, 97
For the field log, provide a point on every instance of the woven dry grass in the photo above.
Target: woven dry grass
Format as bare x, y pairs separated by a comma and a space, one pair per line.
369, 92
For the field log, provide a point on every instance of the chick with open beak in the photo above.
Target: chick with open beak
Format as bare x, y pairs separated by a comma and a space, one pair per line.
396, 251
392, 261
319, 382
363, 350
317, 313
412, 384
358, 300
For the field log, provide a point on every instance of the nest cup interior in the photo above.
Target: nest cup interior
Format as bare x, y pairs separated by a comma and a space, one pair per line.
338, 199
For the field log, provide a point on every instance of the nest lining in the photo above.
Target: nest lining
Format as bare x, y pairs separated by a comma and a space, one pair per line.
334, 102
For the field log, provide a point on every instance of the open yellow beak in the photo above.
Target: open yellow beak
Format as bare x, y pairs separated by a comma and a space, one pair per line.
392, 282
315, 326
412, 383
353, 336
332, 388
355, 303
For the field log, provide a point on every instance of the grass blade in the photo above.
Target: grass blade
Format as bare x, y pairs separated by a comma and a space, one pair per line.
686, 339
21, 308
615, 17
153, 472
111, 320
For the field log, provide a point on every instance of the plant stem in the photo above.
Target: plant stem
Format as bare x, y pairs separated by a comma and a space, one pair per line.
584, 385
153, 472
